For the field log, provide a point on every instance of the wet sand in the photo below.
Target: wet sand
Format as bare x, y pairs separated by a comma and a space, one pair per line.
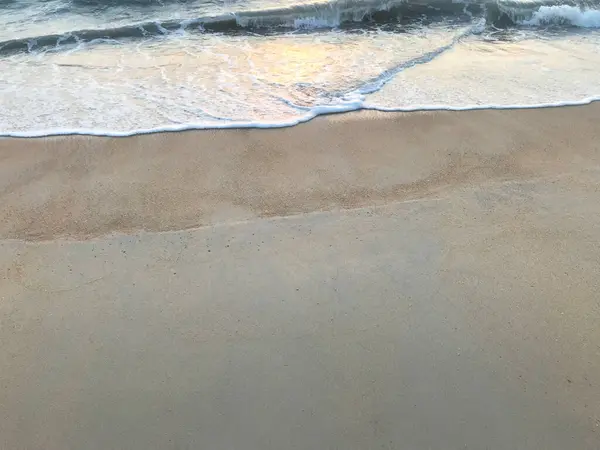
425, 280
84, 186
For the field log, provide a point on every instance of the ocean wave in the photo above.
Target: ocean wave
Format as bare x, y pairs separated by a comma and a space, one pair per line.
140, 30
570, 13
565, 15
501, 13
316, 15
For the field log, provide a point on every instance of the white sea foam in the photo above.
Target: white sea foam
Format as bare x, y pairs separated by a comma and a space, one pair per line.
314, 112
316, 22
565, 15
213, 81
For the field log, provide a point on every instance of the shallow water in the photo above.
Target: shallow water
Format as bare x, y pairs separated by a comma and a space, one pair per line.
125, 67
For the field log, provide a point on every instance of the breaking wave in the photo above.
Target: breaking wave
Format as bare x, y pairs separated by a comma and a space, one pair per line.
502, 13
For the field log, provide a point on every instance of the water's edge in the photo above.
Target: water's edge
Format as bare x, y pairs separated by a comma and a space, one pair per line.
316, 112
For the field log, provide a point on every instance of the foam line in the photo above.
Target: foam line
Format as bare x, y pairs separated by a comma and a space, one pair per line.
377, 83
315, 112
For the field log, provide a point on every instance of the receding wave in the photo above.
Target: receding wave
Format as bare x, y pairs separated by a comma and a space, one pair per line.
501, 13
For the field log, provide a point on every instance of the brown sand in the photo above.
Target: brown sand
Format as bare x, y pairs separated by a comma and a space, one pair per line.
464, 317
88, 186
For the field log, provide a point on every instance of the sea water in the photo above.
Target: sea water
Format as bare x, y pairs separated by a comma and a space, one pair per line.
121, 67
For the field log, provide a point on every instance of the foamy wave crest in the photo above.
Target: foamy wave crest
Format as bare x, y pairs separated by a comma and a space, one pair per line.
578, 13
565, 15
320, 14
331, 14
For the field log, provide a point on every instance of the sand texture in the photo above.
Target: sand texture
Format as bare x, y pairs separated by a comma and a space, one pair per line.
365, 281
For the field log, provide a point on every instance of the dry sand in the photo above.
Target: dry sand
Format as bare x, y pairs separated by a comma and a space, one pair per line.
405, 281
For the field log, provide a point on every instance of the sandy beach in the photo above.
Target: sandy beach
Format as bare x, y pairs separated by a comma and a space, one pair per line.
403, 281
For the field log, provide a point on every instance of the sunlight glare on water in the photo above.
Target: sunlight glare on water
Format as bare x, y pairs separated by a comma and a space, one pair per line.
114, 67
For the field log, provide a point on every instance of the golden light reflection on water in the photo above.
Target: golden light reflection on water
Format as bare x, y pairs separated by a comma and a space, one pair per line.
246, 78
325, 62
527, 72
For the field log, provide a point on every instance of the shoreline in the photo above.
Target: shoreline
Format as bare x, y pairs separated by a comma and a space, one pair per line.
44, 134
81, 186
